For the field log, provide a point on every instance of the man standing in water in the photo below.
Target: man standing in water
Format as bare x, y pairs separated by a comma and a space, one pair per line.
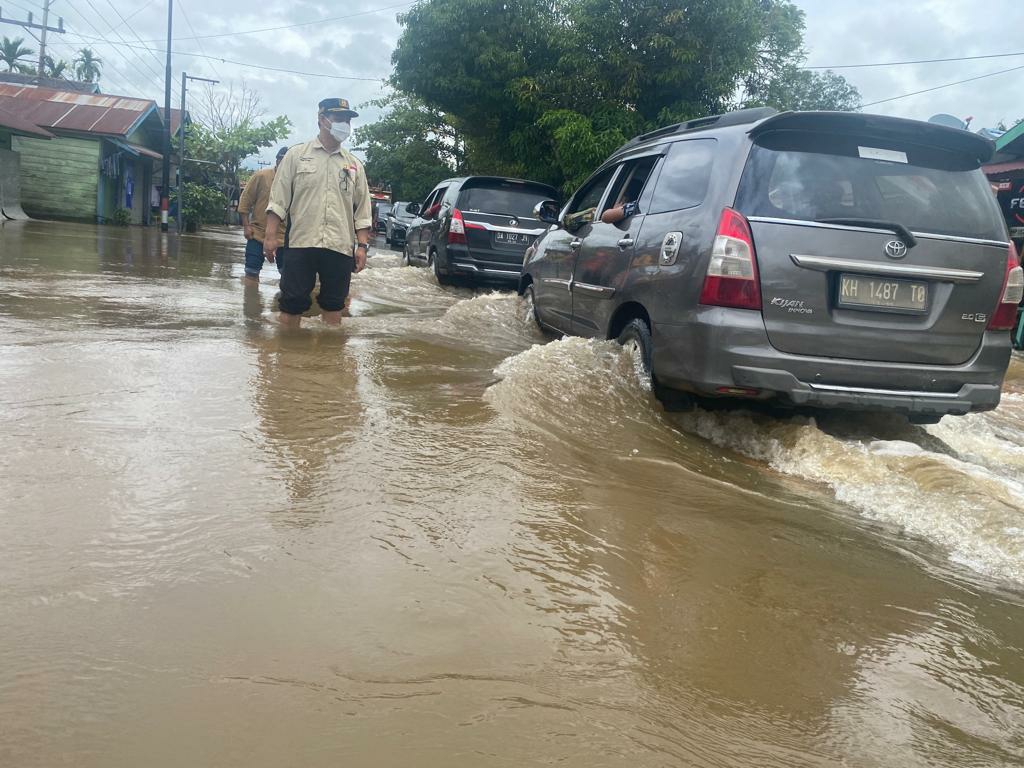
323, 189
252, 209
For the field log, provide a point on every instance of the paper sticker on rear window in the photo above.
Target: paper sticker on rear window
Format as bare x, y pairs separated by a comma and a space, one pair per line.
874, 153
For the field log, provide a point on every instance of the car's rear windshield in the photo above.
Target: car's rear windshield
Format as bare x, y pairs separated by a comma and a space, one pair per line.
815, 176
383, 209
504, 198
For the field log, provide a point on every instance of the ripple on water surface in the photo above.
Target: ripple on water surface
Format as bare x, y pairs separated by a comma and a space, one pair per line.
958, 484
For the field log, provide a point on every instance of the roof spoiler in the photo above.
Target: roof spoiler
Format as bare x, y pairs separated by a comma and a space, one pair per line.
737, 117
957, 140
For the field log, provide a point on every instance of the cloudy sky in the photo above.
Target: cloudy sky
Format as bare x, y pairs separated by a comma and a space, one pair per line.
344, 49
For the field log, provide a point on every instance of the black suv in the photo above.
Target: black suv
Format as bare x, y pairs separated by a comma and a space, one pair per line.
476, 227
825, 259
398, 221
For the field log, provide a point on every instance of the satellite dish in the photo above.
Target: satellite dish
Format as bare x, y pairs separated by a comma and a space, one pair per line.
949, 121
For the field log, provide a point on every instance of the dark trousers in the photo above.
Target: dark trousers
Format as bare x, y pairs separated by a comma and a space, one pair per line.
254, 258
304, 264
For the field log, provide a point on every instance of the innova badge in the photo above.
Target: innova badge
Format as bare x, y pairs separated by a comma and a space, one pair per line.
895, 249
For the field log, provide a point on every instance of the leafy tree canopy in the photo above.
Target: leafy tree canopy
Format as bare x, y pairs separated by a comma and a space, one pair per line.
13, 53
88, 67
545, 89
226, 129
411, 148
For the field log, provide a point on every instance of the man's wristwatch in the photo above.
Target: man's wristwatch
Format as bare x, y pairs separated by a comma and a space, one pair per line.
363, 245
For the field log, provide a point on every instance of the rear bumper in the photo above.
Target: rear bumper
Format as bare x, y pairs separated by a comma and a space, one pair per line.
494, 267
730, 348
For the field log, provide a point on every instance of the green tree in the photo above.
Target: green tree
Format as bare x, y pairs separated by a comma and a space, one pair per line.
88, 66
226, 129
56, 69
801, 89
12, 52
547, 88
411, 148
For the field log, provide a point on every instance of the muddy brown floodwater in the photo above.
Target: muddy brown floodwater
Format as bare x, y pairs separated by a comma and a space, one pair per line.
436, 538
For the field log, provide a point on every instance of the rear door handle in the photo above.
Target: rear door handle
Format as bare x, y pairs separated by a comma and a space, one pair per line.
575, 244
625, 242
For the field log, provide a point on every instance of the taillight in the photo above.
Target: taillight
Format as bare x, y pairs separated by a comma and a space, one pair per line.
731, 279
1005, 316
457, 228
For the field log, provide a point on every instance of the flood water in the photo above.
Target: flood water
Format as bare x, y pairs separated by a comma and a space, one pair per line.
434, 537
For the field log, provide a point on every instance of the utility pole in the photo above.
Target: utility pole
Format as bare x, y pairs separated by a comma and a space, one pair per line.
32, 25
42, 40
181, 142
165, 188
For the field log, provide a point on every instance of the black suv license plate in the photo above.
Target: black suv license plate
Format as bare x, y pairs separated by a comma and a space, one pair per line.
511, 238
861, 292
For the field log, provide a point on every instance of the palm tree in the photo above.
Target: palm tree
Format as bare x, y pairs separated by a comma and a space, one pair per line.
87, 66
12, 51
58, 69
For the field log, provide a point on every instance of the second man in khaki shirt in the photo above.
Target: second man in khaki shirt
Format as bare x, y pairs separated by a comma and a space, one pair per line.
321, 189
252, 209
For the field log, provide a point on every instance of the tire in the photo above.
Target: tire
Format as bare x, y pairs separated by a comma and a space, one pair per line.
530, 298
637, 337
441, 278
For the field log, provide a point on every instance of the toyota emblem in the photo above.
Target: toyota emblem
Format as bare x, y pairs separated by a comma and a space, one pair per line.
895, 249
513, 222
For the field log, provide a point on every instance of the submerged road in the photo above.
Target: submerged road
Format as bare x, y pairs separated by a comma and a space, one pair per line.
435, 537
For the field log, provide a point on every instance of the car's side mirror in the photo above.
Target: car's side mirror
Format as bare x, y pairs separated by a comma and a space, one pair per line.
546, 211
412, 208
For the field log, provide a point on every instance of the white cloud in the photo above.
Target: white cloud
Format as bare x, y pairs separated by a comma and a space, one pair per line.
361, 45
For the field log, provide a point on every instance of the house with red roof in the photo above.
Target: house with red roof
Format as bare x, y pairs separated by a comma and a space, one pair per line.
81, 155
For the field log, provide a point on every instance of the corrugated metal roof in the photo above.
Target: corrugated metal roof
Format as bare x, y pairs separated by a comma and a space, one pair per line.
19, 124
175, 119
994, 169
70, 111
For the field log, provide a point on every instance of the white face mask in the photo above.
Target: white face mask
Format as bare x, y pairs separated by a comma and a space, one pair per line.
340, 131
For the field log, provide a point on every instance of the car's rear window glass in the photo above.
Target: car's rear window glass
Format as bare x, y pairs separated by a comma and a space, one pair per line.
808, 176
685, 176
504, 198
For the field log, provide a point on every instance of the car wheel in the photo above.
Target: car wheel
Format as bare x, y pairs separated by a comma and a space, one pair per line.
530, 300
441, 278
636, 338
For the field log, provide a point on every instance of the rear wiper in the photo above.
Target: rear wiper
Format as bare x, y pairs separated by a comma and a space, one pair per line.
904, 233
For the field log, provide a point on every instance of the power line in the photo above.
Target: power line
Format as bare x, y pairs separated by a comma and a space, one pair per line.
917, 61
134, 85
135, 13
944, 85
198, 41
269, 69
139, 57
131, 29
292, 26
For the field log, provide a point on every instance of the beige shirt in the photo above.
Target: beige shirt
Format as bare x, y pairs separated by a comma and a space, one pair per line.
254, 200
326, 195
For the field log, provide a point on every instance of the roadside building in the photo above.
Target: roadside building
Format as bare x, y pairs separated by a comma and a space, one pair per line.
90, 155
1006, 175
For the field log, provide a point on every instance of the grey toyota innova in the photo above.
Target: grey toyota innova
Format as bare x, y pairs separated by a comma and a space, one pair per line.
825, 259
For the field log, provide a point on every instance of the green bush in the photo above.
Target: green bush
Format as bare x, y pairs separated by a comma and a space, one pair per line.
202, 205
122, 217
